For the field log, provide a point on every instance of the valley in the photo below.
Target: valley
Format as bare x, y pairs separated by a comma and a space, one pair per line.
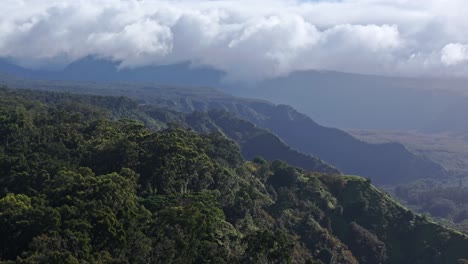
447, 149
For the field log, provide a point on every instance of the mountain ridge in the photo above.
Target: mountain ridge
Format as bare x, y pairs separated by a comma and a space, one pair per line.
351, 156
82, 181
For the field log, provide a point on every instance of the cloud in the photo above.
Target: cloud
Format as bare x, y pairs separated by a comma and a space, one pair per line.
250, 40
454, 53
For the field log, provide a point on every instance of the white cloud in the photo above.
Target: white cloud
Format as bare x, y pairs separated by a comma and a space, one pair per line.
454, 53
249, 39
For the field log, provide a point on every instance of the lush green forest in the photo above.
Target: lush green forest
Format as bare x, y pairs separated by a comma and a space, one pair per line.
445, 202
92, 179
389, 163
253, 141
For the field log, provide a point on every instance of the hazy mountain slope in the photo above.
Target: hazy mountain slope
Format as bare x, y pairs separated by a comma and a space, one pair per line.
255, 141
452, 120
6, 67
77, 186
362, 101
331, 98
447, 149
384, 163
99, 70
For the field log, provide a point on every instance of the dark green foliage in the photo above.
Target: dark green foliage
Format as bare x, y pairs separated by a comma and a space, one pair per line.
384, 163
284, 175
448, 202
366, 245
259, 160
440, 207
89, 180
22, 219
194, 227
268, 247
253, 141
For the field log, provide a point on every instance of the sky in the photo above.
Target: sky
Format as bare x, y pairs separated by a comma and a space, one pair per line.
248, 39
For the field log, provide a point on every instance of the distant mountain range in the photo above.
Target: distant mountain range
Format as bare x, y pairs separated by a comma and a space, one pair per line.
98, 70
383, 163
364, 101
331, 98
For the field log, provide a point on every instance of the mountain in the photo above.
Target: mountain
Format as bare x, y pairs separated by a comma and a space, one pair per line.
100, 70
383, 163
334, 99
6, 67
451, 120
357, 101
92, 69
82, 181
253, 141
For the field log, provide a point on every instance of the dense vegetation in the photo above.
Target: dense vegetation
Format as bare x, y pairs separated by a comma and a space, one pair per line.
389, 164
87, 179
253, 141
383, 163
447, 203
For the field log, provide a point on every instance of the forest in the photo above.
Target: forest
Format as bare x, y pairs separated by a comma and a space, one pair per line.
94, 179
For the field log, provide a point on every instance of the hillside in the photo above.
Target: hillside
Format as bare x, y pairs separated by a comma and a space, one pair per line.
447, 149
81, 181
384, 163
331, 98
444, 199
253, 141
356, 101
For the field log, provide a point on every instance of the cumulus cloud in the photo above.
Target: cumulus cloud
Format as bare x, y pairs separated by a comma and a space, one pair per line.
248, 39
454, 53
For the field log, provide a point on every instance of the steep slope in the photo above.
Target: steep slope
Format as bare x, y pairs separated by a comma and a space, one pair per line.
331, 98
384, 163
253, 141
403, 234
78, 186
